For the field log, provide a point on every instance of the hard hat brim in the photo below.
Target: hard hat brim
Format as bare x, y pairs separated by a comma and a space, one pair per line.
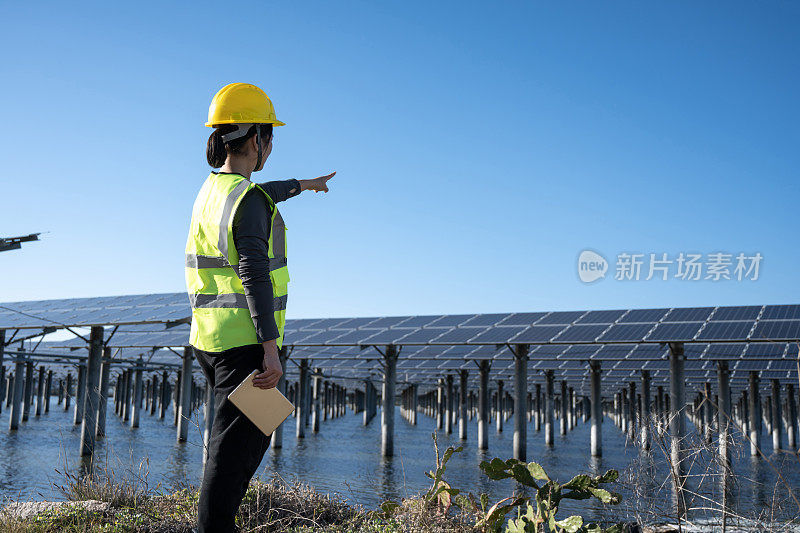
221, 122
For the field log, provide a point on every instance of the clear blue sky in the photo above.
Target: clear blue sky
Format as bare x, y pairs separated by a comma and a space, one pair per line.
479, 147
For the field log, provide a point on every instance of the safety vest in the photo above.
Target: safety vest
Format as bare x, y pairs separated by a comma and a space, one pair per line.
220, 317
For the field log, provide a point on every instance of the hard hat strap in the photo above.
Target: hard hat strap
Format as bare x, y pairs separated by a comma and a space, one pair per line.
240, 131
258, 142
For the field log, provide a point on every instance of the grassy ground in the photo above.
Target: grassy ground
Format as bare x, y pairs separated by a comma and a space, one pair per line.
274, 505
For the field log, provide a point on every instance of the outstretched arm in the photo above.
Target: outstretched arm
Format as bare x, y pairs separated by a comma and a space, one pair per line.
319, 184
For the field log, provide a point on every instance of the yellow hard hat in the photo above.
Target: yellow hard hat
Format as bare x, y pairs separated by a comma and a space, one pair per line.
241, 103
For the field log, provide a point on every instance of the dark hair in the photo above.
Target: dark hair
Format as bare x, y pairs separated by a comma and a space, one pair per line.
217, 151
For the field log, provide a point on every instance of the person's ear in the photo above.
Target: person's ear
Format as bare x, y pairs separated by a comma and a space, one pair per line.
253, 144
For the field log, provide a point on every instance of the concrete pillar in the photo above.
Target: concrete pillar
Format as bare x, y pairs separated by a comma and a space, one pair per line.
645, 418
154, 394
67, 391
40, 391
563, 417
80, 395
26, 396
137, 394
316, 399
92, 395
208, 418
48, 390
596, 409
302, 406
105, 377
724, 407
520, 442
661, 409
677, 423
326, 399
448, 422
755, 418
499, 405
537, 408
164, 402
776, 423
387, 415
17, 392
708, 413
548, 408
185, 399
462, 402
483, 403
632, 411
414, 407
791, 426
440, 404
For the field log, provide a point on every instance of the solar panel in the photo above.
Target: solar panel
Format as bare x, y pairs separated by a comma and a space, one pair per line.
560, 317
725, 351
723, 331
781, 312
300, 323
521, 319
648, 351
600, 317
450, 321
626, 332
547, 351
752, 364
421, 336
694, 350
777, 330
498, 334
581, 333
533, 334
783, 365
350, 337
643, 315
675, 331
458, 335
775, 350
688, 314
355, 323
612, 351
327, 323
420, 321
389, 321
747, 312
315, 336
580, 351
489, 319
628, 365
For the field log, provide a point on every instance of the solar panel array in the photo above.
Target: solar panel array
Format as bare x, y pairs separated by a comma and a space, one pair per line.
625, 341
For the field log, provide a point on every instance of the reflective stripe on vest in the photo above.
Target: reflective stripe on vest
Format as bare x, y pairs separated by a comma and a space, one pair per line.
220, 315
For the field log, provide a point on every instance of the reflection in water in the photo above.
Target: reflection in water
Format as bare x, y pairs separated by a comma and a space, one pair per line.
345, 458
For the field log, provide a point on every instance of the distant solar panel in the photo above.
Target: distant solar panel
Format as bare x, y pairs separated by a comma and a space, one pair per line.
694, 350
560, 317
783, 365
675, 331
497, 335
489, 319
350, 337
747, 312
777, 330
717, 352
600, 317
547, 351
759, 350
421, 336
648, 351
521, 319
781, 312
580, 351
581, 333
752, 365
643, 315
537, 334
420, 321
724, 331
688, 314
389, 321
315, 336
458, 335
613, 351
626, 332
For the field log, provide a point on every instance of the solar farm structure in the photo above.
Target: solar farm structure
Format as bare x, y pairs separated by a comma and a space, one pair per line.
716, 367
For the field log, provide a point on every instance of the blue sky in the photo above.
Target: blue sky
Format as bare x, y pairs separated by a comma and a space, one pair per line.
479, 148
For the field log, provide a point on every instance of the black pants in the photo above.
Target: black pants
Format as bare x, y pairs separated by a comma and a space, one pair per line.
236, 446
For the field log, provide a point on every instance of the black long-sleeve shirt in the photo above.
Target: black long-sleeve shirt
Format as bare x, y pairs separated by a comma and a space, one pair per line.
251, 230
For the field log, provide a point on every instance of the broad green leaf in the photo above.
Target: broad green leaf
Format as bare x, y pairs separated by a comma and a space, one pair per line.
601, 494
579, 482
522, 475
571, 524
388, 507
616, 528
577, 495
537, 471
609, 477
